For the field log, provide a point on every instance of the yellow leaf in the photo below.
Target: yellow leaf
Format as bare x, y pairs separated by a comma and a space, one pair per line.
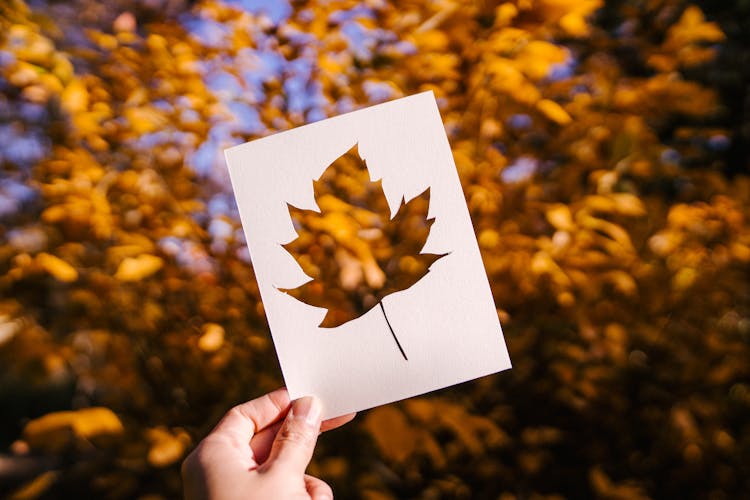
489, 238
664, 243
560, 217
212, 338
36, 487
616, 203
537, 57
574, 25
622, 282
431, 40
62, 68
57, 267
144, 119
684, 279
75, 97
56, 431
740, 252
504, 14
611, 230
628, 204
692, 27
31, 46
554, 112
543, 264
138, 268
23, 74
166, 447
51, 83
117, 253
507, 41
661, 62
156, 42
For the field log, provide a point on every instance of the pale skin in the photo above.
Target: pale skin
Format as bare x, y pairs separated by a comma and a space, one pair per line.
260, 450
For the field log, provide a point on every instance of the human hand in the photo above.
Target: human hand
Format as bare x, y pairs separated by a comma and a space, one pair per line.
260, 450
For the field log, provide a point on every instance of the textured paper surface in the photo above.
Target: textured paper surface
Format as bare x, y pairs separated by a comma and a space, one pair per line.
446, 322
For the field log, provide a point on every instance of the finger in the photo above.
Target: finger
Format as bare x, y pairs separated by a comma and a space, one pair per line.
317, 488
333, 423
294, 444
244, 420
262, 441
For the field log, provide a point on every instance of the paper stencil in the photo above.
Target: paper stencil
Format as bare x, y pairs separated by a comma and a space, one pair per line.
371, 201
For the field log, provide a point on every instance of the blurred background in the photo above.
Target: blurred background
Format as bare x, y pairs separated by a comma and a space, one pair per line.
603, 149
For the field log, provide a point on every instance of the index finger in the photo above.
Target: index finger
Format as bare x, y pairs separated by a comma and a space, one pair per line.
263, 440
244, 420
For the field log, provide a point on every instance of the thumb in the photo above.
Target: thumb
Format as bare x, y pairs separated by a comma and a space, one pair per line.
294, 444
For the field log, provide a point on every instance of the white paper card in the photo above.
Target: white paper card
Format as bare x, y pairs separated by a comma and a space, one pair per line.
446, 324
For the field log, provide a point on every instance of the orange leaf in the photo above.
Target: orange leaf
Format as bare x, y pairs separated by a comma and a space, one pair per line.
138, 268
57, 267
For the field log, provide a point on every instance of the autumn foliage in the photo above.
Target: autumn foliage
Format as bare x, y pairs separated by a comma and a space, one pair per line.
603, 152
353, 249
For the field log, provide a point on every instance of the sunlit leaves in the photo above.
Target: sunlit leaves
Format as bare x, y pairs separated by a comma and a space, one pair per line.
592, 152
356, 252
688, 42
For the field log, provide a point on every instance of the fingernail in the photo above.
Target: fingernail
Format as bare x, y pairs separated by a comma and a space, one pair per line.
309, 409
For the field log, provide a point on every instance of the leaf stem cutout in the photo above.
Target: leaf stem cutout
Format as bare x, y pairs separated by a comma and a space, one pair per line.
354, 251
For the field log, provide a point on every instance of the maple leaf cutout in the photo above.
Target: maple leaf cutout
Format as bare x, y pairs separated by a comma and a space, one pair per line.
354, 251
